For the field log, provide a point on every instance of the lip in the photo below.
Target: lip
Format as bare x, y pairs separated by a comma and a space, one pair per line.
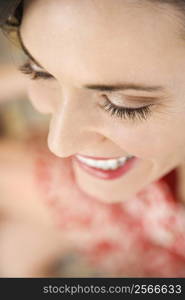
107, 174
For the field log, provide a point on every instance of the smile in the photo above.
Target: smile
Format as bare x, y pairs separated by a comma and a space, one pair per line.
105, 168
105, 164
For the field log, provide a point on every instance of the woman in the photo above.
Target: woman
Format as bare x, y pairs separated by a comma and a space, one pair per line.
111, 75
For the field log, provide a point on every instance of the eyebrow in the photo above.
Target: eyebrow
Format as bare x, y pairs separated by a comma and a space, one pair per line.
101, 87
124, 86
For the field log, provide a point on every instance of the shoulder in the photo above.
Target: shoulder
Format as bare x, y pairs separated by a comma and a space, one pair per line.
19, 193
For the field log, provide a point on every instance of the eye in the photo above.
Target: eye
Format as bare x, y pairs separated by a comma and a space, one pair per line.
36, 73
138, 113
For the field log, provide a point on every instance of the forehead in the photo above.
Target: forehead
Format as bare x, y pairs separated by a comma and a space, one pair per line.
101, 34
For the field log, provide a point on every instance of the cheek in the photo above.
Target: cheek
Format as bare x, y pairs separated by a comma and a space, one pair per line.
44, 98
150, 141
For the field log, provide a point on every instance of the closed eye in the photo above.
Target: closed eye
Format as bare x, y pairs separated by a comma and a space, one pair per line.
27, 69
137, 113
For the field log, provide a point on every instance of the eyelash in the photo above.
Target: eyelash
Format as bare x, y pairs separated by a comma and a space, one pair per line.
139, 113
28, 70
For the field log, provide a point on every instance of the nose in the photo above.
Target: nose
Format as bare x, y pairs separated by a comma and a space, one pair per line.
72, 128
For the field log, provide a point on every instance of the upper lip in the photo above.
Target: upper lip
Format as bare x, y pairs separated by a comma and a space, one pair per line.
101, 158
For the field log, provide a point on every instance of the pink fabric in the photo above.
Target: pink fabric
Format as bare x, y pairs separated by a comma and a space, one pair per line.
143, 237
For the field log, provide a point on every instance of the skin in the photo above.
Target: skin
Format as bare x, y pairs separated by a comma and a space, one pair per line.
108, 42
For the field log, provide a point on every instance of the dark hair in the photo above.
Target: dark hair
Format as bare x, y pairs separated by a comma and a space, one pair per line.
11, 12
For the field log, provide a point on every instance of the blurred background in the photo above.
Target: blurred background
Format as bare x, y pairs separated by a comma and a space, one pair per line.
17, 116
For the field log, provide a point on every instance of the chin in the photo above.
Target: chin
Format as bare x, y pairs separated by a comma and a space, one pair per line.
119, 190
106, 198
104, 193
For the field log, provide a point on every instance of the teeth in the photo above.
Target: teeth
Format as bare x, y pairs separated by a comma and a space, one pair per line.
109, 164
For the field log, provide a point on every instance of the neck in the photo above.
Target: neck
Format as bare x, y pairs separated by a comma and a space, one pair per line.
181, 183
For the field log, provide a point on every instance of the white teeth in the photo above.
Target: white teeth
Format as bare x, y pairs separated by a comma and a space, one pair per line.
109, 164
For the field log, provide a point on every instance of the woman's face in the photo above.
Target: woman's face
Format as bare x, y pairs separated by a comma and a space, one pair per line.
89, 46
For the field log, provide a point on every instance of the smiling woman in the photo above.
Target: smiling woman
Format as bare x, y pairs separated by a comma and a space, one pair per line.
111, 76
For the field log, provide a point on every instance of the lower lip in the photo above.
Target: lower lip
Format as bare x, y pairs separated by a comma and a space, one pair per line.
108, 174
